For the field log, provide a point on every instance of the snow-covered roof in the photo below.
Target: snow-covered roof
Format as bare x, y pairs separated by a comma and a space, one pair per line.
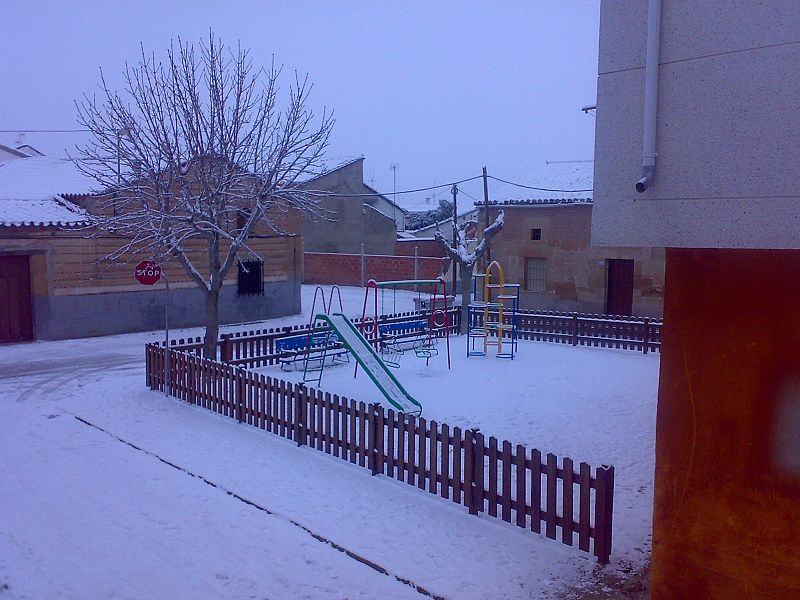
538, 203
10, 153
31, 190
43, 212
41, 178
562, 175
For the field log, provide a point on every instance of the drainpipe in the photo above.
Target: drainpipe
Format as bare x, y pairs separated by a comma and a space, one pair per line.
650, 96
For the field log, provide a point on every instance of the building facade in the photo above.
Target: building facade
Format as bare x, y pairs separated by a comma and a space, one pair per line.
55, 283
545, 245
697, 128
355, 218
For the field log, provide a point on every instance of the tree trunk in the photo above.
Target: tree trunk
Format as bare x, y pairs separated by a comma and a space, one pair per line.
466, 290
212, 324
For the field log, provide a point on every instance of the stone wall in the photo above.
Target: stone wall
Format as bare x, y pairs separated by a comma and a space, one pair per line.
576, 271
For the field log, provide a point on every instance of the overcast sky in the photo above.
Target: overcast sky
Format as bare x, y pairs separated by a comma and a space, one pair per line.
439, 89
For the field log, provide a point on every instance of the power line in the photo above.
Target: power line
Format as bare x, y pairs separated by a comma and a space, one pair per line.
539, 189
414, 191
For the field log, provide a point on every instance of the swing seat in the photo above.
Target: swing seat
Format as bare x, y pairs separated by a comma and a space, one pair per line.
426, 348
391, 353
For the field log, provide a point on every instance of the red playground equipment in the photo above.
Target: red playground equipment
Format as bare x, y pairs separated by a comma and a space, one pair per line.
392, 339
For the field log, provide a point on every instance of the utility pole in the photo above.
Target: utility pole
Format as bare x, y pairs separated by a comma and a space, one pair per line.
455, 234
488, 256
393, 167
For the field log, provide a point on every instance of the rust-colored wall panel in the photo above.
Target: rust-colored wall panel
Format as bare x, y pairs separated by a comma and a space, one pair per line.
725, 519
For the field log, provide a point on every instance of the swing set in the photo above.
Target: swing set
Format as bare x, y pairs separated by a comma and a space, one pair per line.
393, 340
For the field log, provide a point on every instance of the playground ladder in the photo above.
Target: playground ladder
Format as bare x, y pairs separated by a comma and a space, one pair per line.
499, 309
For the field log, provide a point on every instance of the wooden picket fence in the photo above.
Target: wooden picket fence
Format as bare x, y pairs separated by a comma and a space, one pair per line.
581, 329
257, 348
486, 475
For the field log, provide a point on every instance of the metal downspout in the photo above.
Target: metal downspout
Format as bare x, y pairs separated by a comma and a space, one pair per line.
650, 96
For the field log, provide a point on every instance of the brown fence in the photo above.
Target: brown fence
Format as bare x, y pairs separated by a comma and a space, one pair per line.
257, 348
580, 329
509, 482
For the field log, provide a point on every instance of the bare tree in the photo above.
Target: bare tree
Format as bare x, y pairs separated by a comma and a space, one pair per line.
196, 149
467, 260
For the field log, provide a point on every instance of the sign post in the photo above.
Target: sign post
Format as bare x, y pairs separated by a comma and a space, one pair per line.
148, 272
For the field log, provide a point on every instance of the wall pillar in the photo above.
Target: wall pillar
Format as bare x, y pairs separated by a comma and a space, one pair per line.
727, 485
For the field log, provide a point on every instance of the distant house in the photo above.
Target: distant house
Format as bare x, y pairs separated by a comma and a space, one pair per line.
54, 285
546, 246
697, 132
356, 216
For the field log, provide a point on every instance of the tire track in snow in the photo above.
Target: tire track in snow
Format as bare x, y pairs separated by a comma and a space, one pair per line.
320, 538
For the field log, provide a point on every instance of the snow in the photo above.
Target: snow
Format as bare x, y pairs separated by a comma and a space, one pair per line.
41, 178
29, 190
566, 175
84, 515
41, 212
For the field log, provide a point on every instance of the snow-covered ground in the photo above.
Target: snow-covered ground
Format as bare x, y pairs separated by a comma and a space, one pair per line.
105, 485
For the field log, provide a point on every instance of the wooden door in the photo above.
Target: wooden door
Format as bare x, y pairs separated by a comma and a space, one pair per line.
16, 313
619, 294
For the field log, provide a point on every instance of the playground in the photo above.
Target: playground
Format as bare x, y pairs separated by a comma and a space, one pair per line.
589, 404
90, 435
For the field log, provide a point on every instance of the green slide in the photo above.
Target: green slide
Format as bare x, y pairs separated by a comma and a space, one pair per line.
371, 362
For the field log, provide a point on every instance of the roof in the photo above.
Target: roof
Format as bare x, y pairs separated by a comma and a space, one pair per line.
31, 191
555, 178
40, 178
46, 212
385, 197
538, 203
330, 167
12, 151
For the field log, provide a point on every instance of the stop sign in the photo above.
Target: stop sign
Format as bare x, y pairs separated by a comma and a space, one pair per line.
147, 272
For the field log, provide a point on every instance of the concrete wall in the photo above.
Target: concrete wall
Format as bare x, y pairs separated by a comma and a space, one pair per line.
576, 271
61, 317
350, 223
727, 487
727, 133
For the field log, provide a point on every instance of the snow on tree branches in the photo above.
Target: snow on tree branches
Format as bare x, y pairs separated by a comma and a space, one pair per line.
466, 259
196, 148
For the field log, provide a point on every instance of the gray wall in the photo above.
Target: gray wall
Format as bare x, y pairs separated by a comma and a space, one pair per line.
728, 126
61, 317
353, 223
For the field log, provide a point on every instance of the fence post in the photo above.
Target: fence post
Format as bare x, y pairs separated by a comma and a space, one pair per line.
226, 351
646, 335
603, 512
477, 473
469, 471
299, 418
240, 393
372, 447
575, 329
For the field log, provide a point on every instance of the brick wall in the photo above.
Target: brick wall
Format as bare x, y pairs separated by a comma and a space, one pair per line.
345, 269
426, 247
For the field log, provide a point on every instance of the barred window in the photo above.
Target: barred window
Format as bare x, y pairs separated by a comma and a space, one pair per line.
536, 234
536, 274
250, 279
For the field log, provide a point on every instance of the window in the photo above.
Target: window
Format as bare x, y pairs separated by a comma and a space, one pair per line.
536, 234
536, 274
250, 280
